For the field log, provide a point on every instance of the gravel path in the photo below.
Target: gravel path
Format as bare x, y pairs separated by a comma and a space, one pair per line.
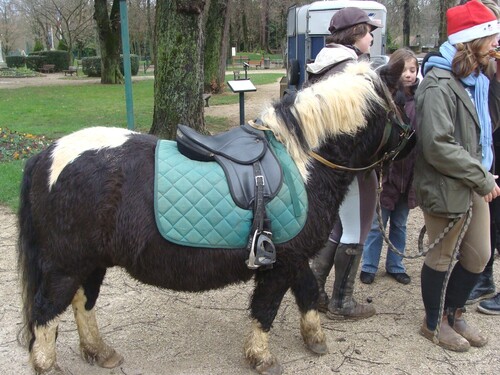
164, 332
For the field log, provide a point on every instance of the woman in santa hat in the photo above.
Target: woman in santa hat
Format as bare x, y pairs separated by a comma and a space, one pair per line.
451, 172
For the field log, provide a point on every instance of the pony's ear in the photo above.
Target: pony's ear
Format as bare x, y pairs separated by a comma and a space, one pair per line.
391, 73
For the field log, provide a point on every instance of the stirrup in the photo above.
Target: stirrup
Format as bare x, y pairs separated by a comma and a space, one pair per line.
263, 252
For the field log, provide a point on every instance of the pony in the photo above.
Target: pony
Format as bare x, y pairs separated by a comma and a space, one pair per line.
86, 204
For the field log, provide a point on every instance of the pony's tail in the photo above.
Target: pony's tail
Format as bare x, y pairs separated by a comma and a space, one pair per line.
28, 264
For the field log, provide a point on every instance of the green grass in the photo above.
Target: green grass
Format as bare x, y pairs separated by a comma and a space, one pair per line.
228, 97
54, 111
10, 180
57, 110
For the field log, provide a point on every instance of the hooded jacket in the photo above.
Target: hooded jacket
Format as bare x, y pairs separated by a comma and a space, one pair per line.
448, 166
332, 59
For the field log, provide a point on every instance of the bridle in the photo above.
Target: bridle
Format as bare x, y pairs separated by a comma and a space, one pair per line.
405, 133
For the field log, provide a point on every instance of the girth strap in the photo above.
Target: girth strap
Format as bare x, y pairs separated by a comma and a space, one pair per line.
262, 252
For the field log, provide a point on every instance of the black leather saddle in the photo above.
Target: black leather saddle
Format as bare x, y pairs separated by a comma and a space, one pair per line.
236, 150
253, 174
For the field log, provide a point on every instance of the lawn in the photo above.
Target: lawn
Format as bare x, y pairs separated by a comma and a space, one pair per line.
33, 116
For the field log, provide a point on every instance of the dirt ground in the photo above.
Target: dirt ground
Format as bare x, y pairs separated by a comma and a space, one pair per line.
163, 332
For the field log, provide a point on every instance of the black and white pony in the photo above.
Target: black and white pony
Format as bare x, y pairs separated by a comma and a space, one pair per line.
87, 205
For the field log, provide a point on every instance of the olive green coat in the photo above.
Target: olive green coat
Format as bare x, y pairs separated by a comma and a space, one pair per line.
448, 166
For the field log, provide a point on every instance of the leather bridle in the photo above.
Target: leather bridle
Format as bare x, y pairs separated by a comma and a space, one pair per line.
405, 133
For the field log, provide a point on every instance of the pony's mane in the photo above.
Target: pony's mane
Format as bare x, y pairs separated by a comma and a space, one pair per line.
339, 104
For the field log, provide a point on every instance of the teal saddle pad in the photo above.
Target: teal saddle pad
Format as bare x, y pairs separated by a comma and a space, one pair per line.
194, 207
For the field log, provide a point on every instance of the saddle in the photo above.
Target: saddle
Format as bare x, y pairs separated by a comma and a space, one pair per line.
254, 176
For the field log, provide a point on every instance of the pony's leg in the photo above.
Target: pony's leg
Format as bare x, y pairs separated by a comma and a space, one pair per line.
306, 294
92, 347
43, 349
270, 288
51, 300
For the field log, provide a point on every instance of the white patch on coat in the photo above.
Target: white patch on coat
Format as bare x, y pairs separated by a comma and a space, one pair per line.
71, 146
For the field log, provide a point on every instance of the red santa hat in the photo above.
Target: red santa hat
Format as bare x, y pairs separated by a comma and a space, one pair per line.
470, 21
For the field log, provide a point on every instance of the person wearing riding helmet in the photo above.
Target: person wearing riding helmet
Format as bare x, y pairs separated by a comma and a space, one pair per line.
349, 42
457, 108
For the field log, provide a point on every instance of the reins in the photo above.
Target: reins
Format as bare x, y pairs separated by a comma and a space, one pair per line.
329, 164
422, 252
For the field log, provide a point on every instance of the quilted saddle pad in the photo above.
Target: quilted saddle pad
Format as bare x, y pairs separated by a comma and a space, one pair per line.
194, 207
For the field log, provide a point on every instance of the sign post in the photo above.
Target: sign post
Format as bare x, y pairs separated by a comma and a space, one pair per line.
241, 86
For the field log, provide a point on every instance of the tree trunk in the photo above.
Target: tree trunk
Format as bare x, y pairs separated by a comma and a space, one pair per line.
179, 66
264, 26
216, 32
244, 26
444, 5
150, 36
406, 23
108, 27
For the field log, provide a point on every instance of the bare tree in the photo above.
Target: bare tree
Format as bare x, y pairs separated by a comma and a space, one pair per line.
70, 20
9, 25
108, 26
444, 5
216, 45
141, 21
179, 66
264, 25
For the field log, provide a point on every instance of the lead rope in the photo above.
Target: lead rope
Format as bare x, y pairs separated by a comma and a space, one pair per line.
423, 252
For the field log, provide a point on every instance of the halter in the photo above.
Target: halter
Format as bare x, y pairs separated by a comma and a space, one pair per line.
405, 134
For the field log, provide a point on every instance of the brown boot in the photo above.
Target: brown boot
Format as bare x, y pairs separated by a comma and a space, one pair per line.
471, 334
343, 305
321, 266
447, 337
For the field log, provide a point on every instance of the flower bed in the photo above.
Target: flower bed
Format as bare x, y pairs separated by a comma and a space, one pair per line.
15, 146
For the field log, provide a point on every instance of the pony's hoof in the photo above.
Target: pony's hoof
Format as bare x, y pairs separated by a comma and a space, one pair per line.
273, 368
114, 360
54, 370
318, 348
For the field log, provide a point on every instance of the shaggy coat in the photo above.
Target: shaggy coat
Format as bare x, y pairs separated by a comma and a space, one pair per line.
87, 205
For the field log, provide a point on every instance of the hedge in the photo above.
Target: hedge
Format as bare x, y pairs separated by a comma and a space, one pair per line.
91, 66
15, 61
59, 58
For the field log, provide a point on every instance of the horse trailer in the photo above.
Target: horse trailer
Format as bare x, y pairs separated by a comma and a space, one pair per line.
307, 28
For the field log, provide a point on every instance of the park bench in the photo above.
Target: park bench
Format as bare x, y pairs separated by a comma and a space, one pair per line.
148, 66
71, 70
277, 63
255, 63
205, 98
47, 68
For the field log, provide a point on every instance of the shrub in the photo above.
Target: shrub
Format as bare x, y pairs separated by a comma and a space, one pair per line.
35, 62
91, 66
62, 45
38, 46
15, 61
59, 58
134, 64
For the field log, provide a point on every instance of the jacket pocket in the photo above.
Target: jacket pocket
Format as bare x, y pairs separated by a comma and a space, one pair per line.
456, 196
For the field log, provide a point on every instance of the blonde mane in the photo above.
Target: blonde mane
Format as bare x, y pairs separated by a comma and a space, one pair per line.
339, 104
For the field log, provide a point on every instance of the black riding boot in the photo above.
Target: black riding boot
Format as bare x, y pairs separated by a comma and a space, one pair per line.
343, 305
432, 284
321, 266
484, 288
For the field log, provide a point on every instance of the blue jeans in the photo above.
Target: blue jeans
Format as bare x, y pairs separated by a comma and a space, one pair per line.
397, 235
